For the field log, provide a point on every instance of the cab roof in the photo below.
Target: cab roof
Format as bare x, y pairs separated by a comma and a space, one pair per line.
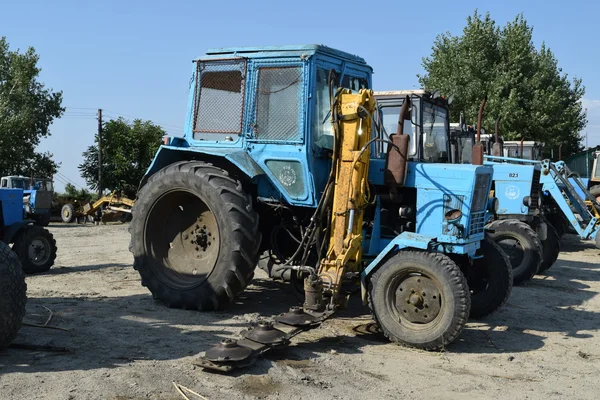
280, 51
399, 93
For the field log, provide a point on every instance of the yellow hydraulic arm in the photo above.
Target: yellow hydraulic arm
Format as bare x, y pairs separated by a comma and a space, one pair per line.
350, 196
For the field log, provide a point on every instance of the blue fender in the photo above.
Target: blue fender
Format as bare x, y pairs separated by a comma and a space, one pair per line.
403, 241
167, 155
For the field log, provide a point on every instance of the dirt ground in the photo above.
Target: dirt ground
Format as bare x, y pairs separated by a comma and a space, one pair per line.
545, 344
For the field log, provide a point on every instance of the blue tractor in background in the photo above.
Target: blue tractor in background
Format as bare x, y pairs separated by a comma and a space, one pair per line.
544, 194
13, 289
34, 245
283, 155
38, 195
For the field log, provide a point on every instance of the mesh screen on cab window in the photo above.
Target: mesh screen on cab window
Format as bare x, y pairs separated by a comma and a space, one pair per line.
220, 96
278, 104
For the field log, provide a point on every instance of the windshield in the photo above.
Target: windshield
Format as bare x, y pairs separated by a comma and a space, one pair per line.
42, 184
435, 133
321, 121
464, 148
390, 116
20, 183
596, 171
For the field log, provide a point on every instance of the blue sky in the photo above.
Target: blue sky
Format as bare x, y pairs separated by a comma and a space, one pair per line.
134, 57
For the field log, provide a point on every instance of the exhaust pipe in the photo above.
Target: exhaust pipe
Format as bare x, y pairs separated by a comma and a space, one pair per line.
522, 140
560, 152
396, 161
478, 147
497, 148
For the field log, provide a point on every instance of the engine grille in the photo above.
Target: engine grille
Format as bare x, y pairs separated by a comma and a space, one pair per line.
481, 193
477, 222
478, 204
536, 189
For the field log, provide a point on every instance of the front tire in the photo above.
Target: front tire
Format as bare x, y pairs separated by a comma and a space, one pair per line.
420, 299
13, 295
194, 236
551, 247
490, 279
36, 248
522, 245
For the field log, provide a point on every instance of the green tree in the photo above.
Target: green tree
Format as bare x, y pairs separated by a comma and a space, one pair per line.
27, 108
127, 151
524, 85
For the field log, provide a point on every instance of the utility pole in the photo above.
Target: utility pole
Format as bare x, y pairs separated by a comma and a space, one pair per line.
100, 152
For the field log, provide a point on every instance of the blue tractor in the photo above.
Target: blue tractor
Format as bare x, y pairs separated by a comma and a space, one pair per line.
38, 195
544, 194
13, 289
34, 245
282, 155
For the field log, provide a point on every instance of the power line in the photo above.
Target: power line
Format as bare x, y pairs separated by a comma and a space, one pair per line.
63, 176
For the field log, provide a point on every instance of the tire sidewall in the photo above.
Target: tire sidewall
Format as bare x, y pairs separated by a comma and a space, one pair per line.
202, 189
529, 242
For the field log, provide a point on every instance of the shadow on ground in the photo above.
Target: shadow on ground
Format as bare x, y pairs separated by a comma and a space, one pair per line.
108, 332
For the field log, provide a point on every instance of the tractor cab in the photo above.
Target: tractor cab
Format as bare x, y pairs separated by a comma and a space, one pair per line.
15, 182
266, 112
427, 128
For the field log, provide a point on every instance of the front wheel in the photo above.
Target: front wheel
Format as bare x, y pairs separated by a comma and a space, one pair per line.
36, 248
13, 295
551, 248
194, 236
490, 279
420, 299
521, 243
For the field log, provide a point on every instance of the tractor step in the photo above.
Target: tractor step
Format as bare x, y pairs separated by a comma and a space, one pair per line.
265, 335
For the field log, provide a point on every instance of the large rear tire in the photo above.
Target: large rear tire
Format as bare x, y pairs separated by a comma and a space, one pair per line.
194, 236
490, 279
551, 248
36, 248
420, 299
522, 245
13, 295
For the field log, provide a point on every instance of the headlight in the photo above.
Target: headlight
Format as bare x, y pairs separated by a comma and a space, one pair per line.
493, 205
453, 216
527, 201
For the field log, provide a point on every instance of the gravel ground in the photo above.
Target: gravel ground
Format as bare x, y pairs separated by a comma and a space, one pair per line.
544, 344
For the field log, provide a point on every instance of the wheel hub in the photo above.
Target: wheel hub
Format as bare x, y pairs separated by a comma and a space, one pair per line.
38, 251
513, 249
418, 299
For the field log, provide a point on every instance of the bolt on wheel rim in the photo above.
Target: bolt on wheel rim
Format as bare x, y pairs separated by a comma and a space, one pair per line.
418, 299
